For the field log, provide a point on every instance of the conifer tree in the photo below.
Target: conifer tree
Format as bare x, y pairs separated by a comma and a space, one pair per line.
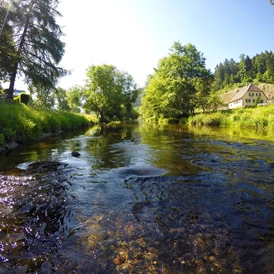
36, 38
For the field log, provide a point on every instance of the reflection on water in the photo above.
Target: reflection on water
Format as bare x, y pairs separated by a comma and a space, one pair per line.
139, 199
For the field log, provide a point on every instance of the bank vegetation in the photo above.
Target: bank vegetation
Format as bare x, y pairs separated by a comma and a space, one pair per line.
259, 117
21, 123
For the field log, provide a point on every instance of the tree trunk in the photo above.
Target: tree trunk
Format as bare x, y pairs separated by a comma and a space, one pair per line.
18, 54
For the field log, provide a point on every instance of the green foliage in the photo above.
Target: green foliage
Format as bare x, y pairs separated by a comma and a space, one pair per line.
43, 97
22, 123
74, 95
7, 45
32, 44
61, 98
171, 90
109, 93
211, 119
260, 117
260, 68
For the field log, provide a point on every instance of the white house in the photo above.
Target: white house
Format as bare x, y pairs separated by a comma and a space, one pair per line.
247, 96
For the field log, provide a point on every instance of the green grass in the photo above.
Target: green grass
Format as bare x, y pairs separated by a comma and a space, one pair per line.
261, 117
21, 123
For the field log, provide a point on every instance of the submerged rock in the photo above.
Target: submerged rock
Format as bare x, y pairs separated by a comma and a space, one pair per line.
8, 147
75, 154
41, 166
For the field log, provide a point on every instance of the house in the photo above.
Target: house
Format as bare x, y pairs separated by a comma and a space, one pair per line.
248, 96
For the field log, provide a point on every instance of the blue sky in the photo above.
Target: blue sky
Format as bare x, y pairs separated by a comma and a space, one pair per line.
134, 34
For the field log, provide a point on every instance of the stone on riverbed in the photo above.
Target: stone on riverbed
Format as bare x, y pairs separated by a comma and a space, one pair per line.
45, 166
75, 154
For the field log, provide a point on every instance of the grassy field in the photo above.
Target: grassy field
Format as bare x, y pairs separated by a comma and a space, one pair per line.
21, 123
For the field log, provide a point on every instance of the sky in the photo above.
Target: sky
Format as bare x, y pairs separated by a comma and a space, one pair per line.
134, 34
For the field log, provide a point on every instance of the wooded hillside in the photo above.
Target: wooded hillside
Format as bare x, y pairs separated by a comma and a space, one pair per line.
259, 68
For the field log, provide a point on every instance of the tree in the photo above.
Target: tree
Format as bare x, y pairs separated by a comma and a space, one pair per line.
61, 98
74, 95
43, 97
36, 38
171, 91
248, 66
7, 47
219, 75
242, 68
109, 92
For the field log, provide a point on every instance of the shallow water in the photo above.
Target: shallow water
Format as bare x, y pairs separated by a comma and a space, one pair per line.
139, 199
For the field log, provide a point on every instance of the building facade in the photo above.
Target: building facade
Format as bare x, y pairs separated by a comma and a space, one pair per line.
248, 96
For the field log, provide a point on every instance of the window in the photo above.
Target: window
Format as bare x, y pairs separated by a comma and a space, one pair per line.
262, 101
254, 100
248, 100
251, 94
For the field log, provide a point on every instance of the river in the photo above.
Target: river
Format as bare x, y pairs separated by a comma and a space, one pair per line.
139, 199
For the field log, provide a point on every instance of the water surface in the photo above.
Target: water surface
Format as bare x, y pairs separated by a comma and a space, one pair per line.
139, 199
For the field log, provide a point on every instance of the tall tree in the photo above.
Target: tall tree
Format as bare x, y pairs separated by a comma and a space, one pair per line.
248, 66
36, 36
7, 47
109, 92
219, 75
171, 91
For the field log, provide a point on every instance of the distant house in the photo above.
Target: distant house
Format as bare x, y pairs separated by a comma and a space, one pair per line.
248, 96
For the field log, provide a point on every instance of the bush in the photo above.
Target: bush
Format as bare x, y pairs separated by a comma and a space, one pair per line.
209, 119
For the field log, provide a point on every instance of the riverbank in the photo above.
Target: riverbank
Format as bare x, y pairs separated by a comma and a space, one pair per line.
20, 123
260, 117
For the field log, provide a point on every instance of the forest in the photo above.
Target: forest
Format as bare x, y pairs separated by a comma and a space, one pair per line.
258, 68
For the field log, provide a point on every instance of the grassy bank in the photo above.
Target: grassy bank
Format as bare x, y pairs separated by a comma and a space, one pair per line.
21, 123
261, 117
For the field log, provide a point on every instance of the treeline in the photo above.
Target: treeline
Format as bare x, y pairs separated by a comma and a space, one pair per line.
260, 68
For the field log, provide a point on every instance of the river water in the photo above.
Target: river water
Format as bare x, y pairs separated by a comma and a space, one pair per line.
139, 199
